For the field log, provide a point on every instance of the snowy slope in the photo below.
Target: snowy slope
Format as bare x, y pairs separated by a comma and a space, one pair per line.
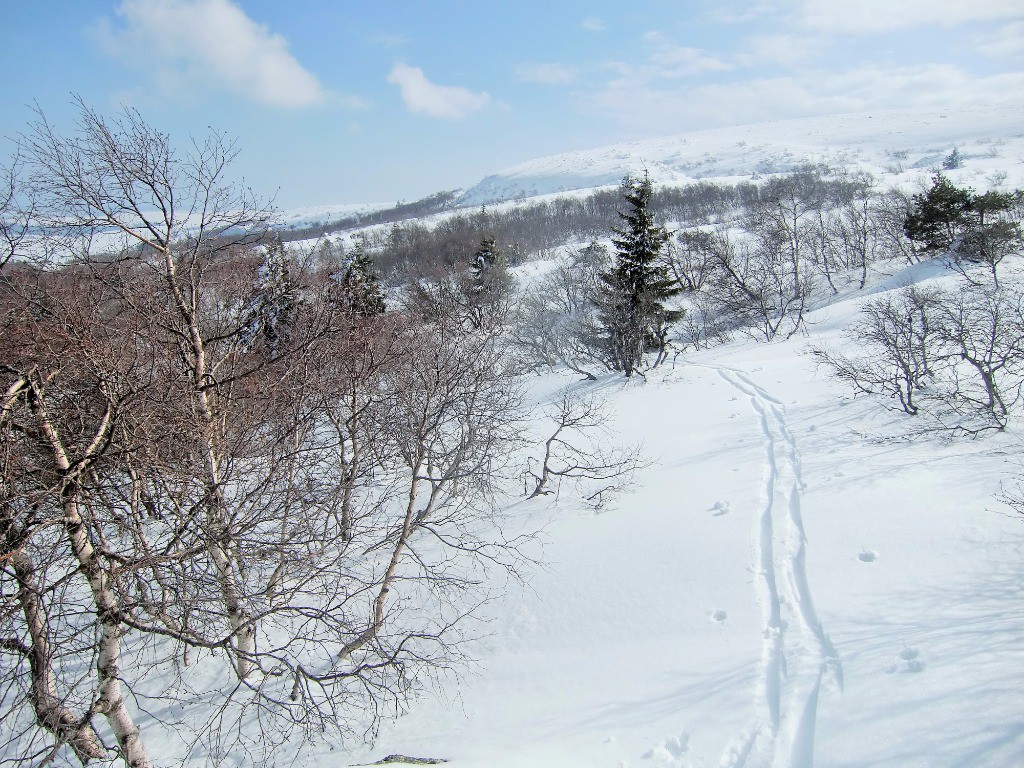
899, 148
790, 582
880, 142
787, 586
317, 215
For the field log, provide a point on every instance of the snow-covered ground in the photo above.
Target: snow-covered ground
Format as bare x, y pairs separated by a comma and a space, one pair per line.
791, 581
299, 218
787, 585
899, 148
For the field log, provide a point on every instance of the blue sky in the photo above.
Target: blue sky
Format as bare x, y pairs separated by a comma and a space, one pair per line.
347, 101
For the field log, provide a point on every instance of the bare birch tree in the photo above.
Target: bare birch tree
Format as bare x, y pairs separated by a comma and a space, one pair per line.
179, 534
574, 450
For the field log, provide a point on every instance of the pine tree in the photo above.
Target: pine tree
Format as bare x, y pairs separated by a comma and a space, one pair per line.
632, 302
939, 215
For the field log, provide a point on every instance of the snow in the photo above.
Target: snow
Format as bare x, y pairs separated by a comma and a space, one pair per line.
885, 143
322, 215
791, 581
903, 147
784, 587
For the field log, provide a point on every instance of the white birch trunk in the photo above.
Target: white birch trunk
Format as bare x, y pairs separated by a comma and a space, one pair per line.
50, 710
111, 702
242, 625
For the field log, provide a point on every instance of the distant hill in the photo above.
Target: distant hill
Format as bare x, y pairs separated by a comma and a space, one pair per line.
899, 146
882, 142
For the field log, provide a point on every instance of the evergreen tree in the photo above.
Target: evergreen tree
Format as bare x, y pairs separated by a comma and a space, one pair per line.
488, 284
939, 215
360, 291
632, 302
978, 228
953, 160
486, 256
272, 307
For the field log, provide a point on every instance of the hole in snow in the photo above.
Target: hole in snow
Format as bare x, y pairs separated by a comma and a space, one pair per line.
909, 653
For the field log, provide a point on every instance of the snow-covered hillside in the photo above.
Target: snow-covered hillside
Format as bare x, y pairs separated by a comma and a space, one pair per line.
298, 218
787, 585
881, 142
791, 581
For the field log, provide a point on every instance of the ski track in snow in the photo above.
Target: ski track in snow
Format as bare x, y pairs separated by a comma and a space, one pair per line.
793, 664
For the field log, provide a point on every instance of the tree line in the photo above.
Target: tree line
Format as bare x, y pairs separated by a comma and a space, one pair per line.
410, 247
758, 271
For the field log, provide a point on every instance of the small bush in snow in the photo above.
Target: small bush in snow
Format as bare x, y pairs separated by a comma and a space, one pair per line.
957, 357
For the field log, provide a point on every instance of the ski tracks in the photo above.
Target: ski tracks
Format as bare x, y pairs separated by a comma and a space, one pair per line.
796, 653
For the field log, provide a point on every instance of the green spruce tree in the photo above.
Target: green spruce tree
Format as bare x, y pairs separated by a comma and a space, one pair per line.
953, 160
271, 310
632, 306
488, 285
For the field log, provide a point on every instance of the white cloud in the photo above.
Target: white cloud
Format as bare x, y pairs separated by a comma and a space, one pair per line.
548, 74
746, 12
665, 61
190, 43
867, 16
787, 50
668, 110
446, 102
1005, 43
593, 24
670, 61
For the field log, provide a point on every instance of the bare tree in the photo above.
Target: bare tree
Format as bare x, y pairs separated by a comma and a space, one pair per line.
957, 357
705, 324
895, 339
857, 231
691, 258
15, 214
446, 434
893, 208
556, 321
575, 449
66, 388
192, 511
761, 288
981, 336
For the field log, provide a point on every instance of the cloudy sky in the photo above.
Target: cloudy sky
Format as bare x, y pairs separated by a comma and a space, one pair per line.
348, 101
